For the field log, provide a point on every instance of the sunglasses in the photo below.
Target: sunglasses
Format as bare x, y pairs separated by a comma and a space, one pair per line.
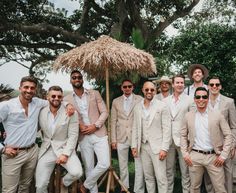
77, 77
127, 86
216, 84
56, 96
201, 96
147, 90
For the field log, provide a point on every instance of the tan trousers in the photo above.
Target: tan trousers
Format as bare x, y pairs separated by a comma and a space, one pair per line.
200, 163
170, 169
18, 172
154, 170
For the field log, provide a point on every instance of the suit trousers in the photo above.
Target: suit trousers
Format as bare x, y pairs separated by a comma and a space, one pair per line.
154, 170
123, 157
170, 169
18, 172
200, 163
228, 169
46, 165
89, 145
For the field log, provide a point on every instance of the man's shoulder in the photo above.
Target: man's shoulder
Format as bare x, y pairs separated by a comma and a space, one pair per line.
226, 99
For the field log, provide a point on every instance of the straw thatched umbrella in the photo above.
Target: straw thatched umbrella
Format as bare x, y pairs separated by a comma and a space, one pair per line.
106, 58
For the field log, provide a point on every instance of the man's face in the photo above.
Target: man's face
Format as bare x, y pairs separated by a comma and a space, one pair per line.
27, 90
149, 90
76, 80
201, 99
178, 85
55, 98
164, 86
197, 75
127, 88
214, 86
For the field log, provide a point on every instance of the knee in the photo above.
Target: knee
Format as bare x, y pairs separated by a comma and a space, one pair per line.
104, 166
77, 173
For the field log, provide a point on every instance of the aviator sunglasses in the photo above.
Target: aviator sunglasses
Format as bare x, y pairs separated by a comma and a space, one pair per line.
201, 96
147, 90
127, 86
216, 84
58, 96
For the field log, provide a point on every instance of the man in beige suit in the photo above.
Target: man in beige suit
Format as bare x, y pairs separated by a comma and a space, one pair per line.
205, 143
151, 136
226, 106
121, 125
178, 104
93, 135
59, 139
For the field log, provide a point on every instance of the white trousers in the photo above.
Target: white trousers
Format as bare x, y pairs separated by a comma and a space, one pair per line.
123, 158
46, 165
89, 145
170, 169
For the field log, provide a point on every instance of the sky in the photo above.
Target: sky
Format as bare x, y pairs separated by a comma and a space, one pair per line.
11, 73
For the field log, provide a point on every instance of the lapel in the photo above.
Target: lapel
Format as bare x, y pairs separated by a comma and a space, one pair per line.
222, 103
45, 122
191, 123
153, 110
88, 100
134, 101
182, 103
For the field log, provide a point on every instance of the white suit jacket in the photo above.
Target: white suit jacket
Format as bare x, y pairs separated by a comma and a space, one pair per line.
121, 124
159, 127
186, 103
64, 138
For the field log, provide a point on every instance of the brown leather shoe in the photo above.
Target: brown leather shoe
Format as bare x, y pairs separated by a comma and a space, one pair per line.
82, 189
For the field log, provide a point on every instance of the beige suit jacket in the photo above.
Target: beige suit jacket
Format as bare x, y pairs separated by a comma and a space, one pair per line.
220, 134
121, 124
159, 133
64, 138
186, 103
97, 111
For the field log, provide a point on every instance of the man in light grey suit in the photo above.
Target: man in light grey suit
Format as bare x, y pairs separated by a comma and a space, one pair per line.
178, 104
205, 143
151, 136
59, 139
121, 125
93, 139
226, 106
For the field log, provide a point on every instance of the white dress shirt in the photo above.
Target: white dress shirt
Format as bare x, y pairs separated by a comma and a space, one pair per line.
83, 106
202, 139
21, 130
127, 103
175, 104
216, 104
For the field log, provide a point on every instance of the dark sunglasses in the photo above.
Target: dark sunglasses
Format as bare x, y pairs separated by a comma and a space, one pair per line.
216, 84
201, 96
77, 77
147, 90
127, 86
58, 96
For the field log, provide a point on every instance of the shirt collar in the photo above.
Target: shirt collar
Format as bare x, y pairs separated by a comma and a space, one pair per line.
130, 97
86, 92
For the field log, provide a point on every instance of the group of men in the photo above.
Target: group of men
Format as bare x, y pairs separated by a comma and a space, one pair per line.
196, 124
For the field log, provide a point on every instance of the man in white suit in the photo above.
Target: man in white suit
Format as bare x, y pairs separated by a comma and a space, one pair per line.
226, 106
121, 125
178, 104
151, 135
59, 139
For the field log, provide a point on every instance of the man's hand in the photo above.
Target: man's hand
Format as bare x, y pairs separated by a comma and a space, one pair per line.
162, 155
88, 129
62, 159
114, 146
70, 110
10, 152
219, 161
188, 160
134, 152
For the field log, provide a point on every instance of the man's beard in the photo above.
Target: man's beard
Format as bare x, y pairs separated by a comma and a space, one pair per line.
78, 86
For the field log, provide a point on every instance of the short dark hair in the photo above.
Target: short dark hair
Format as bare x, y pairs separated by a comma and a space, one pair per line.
177, 76
29, 79
201, 89
127, 80
55, 88
214, 77
75, 71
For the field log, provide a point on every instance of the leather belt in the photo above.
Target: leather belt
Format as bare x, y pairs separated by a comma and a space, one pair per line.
25, 148
204, 152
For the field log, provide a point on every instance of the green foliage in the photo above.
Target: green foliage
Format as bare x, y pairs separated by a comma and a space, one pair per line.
213, 45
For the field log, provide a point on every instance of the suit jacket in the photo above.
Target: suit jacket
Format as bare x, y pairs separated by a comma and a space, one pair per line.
97, 111
220, 134
159, 133
64, 138
121, 124
186, 103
